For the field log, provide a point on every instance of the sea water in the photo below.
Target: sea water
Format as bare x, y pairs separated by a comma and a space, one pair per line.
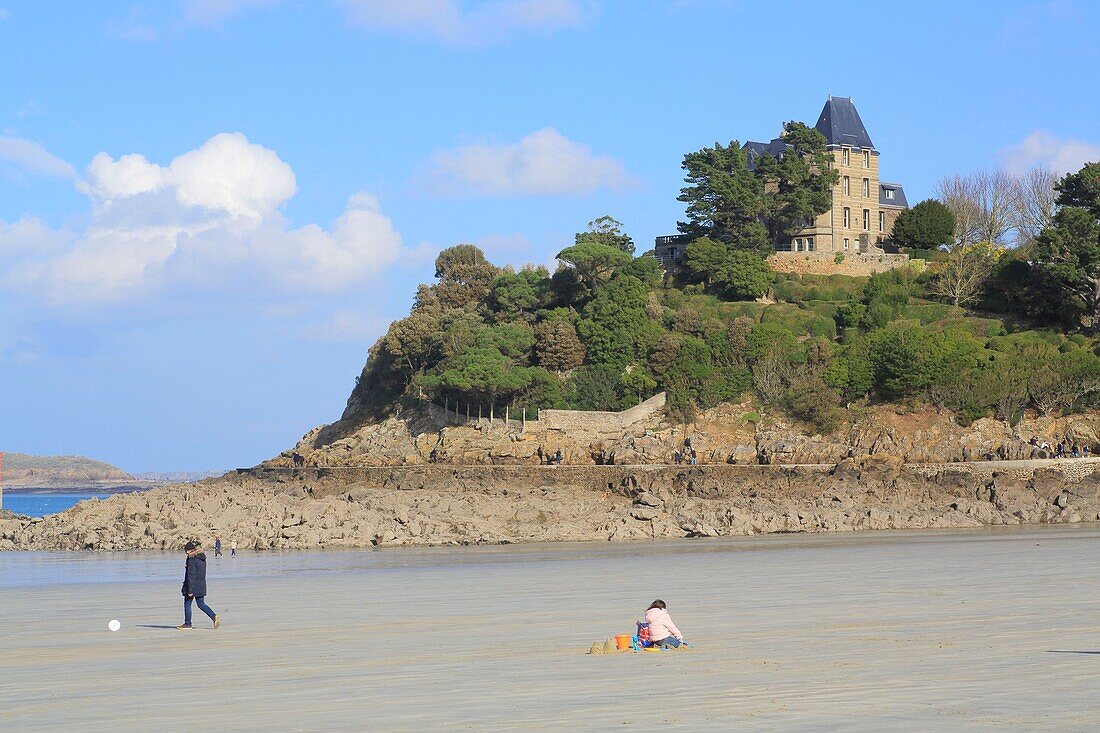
42, 505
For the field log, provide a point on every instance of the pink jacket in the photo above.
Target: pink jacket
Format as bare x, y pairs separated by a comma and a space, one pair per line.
660, 625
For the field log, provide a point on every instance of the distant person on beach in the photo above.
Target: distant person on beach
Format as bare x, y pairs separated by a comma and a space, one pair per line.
557, 457
662, 632
233, 548
194, 585
217, 547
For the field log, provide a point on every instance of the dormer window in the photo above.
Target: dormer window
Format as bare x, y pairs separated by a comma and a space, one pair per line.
889, 193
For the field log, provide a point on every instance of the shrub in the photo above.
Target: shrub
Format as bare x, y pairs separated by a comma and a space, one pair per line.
838, 258
814, 401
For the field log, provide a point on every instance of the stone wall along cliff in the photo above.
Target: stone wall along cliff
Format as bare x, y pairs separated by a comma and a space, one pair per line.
822, 263
592, 421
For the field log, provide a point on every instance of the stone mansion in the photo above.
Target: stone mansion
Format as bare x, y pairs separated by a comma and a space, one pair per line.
863, 207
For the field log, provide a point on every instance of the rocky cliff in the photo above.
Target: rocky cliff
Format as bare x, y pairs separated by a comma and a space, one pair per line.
442, 505
727, 434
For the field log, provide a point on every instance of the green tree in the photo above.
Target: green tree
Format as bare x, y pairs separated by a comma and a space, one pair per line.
1081, 189
519, 294
646, 269
465, 276
608, 231
595, 387
482, 374
928, 225
614, 325
557, 346
593, 263
703, 258
724, 199
1068, 251
744, 276
799, 186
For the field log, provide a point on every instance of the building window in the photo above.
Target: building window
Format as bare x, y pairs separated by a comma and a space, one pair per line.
866, 158
847, 185
847, 217
866, 219
847, 160
882, 221
866, 188
845, 243
889, 193
809, 244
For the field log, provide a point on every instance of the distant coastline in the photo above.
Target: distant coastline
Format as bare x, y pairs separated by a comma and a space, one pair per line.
80, 489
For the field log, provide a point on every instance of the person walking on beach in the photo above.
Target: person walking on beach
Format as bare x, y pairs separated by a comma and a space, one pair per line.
217, 547
662, 632
233, 548
194, 585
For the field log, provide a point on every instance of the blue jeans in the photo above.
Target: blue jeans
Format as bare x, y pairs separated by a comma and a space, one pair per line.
202, 607
669, 642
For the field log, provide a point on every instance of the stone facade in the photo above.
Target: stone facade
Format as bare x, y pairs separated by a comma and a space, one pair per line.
864, 208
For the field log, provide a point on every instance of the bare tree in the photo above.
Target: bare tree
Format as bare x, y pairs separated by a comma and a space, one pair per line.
963, 276
996, 210
959, 194
1033, 203
771, 374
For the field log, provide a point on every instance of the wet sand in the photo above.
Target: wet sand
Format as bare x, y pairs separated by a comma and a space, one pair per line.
995, 629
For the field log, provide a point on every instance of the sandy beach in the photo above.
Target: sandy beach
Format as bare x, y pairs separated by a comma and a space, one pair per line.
992, 629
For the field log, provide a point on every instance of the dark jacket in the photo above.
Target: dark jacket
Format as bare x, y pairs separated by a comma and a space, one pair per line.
194, 576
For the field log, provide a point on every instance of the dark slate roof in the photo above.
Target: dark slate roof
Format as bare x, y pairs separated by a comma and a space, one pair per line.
899, 195
754, 150
840, 124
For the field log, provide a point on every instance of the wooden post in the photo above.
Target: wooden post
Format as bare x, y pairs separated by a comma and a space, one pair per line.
525, 418
491, 406
479, 412
467, 412
506, 416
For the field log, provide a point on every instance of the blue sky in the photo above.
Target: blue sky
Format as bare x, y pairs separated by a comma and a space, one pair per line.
210, 209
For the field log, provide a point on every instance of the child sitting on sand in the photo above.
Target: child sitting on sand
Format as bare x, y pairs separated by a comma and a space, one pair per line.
662, 632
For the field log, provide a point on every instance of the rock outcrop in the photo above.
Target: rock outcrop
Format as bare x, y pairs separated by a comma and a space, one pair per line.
735, 434
447, 505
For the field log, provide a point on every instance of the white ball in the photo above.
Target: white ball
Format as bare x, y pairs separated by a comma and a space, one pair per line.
114, 625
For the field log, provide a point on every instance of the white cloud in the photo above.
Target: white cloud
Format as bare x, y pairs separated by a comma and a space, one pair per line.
130, 175
209, 220
1041, 148
32, 157
460, 21
30, 237
231, 174
544, 163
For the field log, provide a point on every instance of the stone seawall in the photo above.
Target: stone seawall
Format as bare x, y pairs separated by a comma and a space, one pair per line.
1073, 469
332, 479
